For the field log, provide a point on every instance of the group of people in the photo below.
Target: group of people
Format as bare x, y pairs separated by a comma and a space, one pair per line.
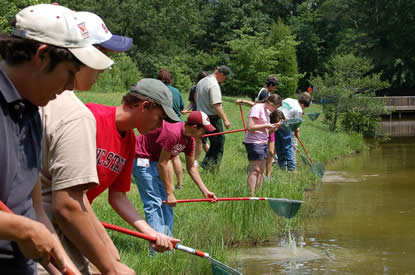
265, 132
59, 154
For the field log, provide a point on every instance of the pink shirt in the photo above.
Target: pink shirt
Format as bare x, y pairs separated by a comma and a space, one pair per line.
170, 138
261, 114
115, 153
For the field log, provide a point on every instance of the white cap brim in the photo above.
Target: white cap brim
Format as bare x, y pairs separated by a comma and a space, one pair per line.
92, 57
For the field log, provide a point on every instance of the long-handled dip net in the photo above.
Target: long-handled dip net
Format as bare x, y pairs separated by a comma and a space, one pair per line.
218, 268
316, 168
282, 207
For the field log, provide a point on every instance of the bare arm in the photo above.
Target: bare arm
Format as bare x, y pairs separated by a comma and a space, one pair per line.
163, 167
245, 102
188, 109
44, 219
74, 220
219, 111
194, 174
33, 238
253, 126
122, 205
102, 233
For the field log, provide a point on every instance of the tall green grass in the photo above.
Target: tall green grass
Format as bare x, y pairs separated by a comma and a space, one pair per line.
217, 227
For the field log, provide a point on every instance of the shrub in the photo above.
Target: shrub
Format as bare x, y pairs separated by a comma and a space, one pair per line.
361, 123
120, 77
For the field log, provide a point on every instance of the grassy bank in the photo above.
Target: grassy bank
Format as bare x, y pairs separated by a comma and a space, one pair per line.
214, 228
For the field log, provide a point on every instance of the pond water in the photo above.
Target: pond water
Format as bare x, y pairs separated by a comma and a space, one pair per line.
365, 222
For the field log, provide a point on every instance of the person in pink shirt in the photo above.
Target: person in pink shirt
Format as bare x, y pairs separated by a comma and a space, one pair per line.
153, 152
256, 139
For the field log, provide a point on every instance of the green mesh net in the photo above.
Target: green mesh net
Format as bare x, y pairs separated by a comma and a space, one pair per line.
284, 207
219, 268
292, 124
313, 116
318, 169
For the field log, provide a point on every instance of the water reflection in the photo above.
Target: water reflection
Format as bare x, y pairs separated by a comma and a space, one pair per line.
365, 223
399, 128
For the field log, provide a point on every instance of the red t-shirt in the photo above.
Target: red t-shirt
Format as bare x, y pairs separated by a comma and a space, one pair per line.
115, 153
170, 138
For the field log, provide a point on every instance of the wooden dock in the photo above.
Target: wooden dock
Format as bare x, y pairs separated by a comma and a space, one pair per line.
399, 103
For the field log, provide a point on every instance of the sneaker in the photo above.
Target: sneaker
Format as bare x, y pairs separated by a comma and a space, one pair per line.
275, 159
267, 178
196, 163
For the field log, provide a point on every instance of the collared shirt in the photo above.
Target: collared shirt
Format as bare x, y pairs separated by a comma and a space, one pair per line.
20, 142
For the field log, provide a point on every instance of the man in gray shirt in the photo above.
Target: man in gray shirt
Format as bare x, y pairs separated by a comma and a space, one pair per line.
209, 100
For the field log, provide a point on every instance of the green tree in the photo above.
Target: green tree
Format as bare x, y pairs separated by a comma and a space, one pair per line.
251, 61
287, 67
349, 86
8, 10
120, 77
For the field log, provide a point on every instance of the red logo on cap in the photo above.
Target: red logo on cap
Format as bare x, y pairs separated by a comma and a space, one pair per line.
105, 28
83, 29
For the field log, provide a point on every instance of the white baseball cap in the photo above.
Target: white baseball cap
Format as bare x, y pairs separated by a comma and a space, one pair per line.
60, 26
99, 33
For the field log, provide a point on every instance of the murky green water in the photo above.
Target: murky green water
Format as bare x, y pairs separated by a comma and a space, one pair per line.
366, 220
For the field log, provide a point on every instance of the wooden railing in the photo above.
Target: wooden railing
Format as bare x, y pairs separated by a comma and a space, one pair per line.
399, 103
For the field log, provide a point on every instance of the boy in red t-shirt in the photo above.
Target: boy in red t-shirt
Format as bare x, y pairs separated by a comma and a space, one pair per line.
144, 107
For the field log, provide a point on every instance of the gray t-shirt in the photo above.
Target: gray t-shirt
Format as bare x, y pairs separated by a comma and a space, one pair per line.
207, 94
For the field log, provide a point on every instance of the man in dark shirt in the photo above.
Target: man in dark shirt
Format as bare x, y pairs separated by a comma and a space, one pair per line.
39, 60
271, 85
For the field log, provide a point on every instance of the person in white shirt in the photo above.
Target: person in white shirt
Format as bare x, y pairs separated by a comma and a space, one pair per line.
284, 139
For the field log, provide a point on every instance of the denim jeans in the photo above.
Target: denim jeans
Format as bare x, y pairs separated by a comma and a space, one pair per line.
214, 155
158, 215
284, 146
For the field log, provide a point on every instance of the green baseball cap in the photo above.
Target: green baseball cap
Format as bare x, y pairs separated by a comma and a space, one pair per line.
157, 90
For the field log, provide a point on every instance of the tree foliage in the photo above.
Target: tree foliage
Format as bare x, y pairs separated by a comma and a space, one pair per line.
8, 10
196, 35
348, 86
251, 61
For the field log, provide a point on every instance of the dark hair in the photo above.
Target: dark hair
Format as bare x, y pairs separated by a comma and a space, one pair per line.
223, 69
16, 51
133, 98
274, 99
165, 76
305, 99
271, 80
202, 74
276, 116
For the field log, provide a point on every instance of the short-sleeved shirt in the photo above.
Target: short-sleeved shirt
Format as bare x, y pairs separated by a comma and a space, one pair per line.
20, 136
261, 114
208, 94
114, 154
178, 103
291, 108
263, 94
170, 138
68, 146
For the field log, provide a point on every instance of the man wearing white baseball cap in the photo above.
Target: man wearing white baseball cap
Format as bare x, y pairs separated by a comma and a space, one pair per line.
49, 44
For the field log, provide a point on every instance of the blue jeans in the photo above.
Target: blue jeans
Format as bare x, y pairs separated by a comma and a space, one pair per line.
284, 146
158, 215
